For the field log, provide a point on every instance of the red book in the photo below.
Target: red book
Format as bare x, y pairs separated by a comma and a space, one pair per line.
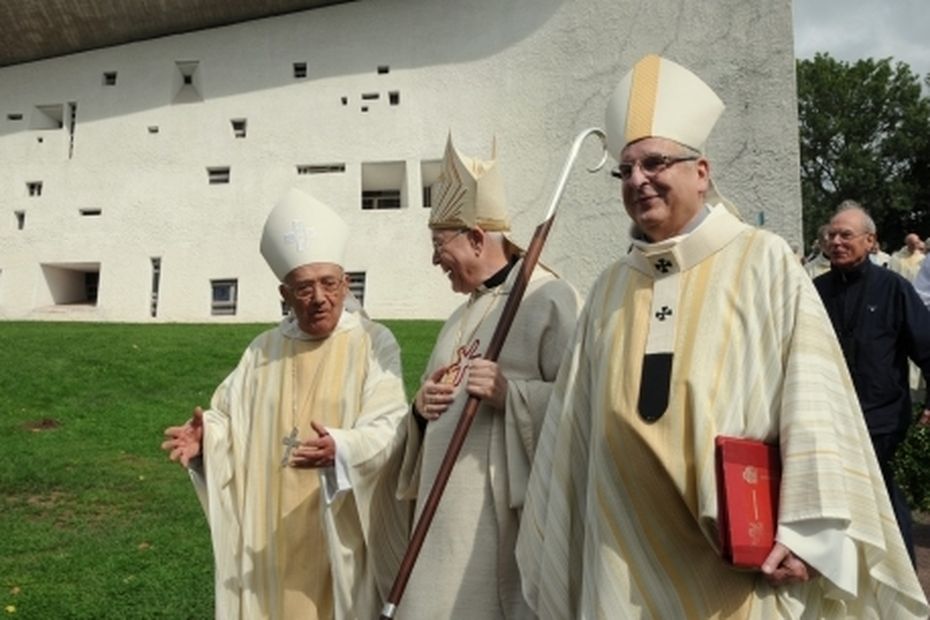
748, 479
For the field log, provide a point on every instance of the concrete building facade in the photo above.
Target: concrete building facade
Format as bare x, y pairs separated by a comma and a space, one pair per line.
134, 180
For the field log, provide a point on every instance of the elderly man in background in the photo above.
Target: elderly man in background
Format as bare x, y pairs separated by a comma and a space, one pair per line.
821, 262
291, 461
880, 322
906, 261
708, 327
466, 568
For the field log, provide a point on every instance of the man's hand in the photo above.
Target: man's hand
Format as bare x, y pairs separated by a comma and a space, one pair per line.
486, 381
434, 397
782, 567
184, 443
319, 452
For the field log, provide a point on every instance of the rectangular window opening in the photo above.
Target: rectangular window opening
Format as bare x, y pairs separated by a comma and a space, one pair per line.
344, 100
370, 96
156, 277
300, 70
109, 78
34, 188
14, 116
320, 168
217, 176
153, 128
384, 185
238, 126
20, 219
91, 212
383, 69
223, 297
429, 175
357, 285
394, 97
364, 108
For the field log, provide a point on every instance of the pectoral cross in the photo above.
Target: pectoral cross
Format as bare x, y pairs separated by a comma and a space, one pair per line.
291, 442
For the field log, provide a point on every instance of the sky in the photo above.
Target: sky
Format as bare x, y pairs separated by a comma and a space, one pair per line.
853, 29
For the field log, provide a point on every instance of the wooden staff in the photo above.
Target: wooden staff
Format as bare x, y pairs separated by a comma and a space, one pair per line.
494, 349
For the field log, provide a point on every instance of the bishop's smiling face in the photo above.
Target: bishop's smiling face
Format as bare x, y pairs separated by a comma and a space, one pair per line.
662, 201
455, 252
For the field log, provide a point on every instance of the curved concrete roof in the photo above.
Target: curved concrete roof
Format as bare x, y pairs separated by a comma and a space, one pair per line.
37, 29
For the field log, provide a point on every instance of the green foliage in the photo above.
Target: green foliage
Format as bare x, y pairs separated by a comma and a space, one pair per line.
910, 467
95, 521
865, 135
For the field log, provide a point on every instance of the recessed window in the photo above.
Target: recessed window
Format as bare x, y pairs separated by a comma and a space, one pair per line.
223, 296
73, 283
14, 116
20, 219
217, 176
382, 69
320, 168
156, 277
429, 174
357, 285
344, 100
34, 188
300, 70
370, 96
48, 117
153, 128
91, 212
383, 185
238, 126
394, 97
188, 91
109, 78
364, 108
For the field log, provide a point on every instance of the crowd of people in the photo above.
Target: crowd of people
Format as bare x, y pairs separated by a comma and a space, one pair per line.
587, 486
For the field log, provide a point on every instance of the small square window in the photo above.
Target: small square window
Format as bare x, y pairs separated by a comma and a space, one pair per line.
217, 176
382, 69
300, 70
344, 100
188, 79
238, 126
109, 78
34, 188
20, 219
394, 97
153, 128
223, 297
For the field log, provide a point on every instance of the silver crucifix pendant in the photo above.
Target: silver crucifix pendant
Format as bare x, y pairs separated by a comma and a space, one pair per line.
291, 442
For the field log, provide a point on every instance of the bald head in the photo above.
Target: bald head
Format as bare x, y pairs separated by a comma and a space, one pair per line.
912, 242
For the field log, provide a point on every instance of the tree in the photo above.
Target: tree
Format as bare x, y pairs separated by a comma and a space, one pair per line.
865, 135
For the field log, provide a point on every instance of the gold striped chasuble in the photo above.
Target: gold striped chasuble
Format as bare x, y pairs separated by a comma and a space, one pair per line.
620, 516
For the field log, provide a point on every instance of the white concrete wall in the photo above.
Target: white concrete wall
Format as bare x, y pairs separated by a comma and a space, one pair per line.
531, 72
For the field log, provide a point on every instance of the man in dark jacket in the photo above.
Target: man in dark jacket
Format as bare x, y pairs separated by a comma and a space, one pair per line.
880, 322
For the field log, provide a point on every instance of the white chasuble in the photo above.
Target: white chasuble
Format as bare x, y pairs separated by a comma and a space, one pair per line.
466, 568
620, 518
281, 550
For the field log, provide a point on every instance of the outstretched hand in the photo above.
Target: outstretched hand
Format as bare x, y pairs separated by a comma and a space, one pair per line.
184, 443
318, 452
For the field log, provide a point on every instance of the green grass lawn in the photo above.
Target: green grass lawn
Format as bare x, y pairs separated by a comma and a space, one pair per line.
95, 522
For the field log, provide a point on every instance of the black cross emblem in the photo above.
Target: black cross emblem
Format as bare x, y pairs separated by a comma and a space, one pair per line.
663, 265
664, 313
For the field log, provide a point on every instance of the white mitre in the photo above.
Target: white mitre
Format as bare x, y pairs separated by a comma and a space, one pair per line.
301, 230
661, 99
469, 193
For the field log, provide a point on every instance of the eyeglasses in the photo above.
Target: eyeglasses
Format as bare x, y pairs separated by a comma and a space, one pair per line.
844, 235
651, 165
439, 244
304, 290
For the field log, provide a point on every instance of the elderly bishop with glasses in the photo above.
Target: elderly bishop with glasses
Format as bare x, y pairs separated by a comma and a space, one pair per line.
293, 460
707, 328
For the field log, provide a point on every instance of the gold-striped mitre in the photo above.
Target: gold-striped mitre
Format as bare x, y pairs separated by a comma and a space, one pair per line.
659, 98
469, 193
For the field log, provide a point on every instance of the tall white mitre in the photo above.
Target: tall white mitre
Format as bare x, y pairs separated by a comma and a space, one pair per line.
469, 193
301, 230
